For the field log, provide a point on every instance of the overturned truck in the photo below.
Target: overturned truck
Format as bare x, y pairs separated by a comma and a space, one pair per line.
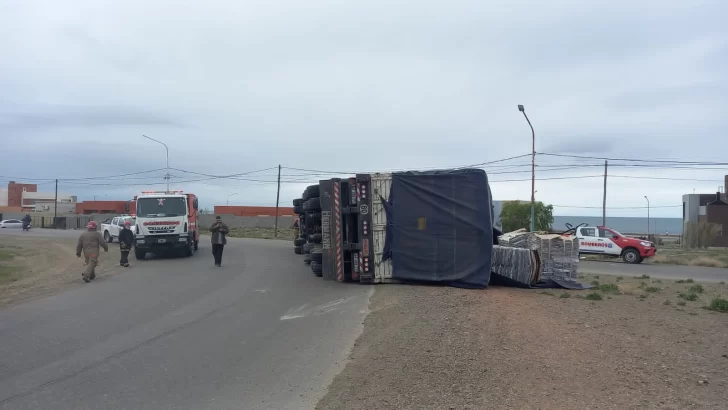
432, 226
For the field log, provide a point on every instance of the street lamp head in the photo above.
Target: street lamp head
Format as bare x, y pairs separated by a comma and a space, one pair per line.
520, 108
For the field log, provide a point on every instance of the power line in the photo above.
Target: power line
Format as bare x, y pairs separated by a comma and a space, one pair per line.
616, 207
634, 159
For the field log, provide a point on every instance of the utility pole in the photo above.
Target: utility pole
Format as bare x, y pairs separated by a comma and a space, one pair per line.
648, 216
533, 170
278, 197
604, 198
228, 200
166, 177
55, 206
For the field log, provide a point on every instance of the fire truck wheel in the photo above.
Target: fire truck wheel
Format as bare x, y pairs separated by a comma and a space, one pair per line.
299, 241
139, 254
297, 250
631, 256
316, 255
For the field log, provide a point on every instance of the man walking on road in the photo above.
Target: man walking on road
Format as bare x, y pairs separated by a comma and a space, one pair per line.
219, 230
90, 242
126, 240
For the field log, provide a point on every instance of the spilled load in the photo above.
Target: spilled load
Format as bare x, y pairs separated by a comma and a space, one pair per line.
530, 258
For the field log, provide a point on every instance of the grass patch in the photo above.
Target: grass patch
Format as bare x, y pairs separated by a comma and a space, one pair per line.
262, 233
609, 288
619, 278
707, 262
595, 283
596, 277
6, 255
565, 295
680, 281
643, 277
697, 288
652, 289
719, 305
681, 303
8, 274
546, 293
593, 296
689, 296
690, 280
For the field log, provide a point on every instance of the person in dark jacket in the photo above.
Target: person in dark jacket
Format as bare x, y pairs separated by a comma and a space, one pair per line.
26, 220
126, 240
219, 230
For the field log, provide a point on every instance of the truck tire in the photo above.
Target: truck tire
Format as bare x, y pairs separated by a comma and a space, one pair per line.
316, 255
316, 238
299, 241
307, 248
314, 204
313, 191
297, 202
631, 256
197, 244
108, 238
298, 209
315, 217
190, 249
317, 268
297, 250
307, 258
140, 254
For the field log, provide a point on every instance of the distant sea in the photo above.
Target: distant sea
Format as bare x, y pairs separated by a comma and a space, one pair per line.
625, 225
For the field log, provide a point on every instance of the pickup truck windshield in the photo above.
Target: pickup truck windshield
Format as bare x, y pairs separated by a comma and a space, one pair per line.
160, 207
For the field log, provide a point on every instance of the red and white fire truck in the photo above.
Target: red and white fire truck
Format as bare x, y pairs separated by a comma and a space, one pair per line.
600, 240
166, 221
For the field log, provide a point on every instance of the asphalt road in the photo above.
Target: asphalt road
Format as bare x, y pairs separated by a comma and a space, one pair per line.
259, 333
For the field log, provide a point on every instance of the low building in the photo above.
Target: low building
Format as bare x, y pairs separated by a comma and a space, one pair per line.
708, 208
15, 193
253, 210
30, 199
106, 207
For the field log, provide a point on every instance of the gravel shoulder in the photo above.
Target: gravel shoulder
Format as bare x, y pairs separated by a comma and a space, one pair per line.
427, 347
34, 267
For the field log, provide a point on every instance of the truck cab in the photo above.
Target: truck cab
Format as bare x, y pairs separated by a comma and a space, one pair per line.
166, 221
600, 240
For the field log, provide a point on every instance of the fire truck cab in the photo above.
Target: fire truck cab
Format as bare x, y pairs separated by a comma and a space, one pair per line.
166, 221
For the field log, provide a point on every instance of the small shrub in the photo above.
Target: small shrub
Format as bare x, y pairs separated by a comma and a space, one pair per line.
691, 297
546, 293
722, 282
644, 277
619, 278
609, 288
680, 281
689, 280
652, 289
719, 305
681, 303
565, 295
697, 288
596, 277
595, 283
593, 296
667, 302
657, 281
643, 297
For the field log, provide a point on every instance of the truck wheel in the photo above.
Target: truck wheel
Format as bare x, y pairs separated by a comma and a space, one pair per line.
314, 204
631, 256
317, 268
316, 255
140, 254
197, 244
108, 238
299, 241
307, 258
307, 248
297, 250
316, 238
190, 249
313, 191
297, 202
298, 209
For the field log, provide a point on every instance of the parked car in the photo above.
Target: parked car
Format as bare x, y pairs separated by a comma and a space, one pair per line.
11, 223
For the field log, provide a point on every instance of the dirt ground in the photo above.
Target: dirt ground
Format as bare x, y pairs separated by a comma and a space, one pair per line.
426, 347
32, 267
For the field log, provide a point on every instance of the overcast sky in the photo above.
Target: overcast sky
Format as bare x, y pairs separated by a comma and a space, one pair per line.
240, 86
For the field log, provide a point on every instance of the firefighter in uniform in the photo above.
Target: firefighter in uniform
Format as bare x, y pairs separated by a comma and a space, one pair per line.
90, 242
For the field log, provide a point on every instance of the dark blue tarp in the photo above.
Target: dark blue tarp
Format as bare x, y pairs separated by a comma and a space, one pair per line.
440, 227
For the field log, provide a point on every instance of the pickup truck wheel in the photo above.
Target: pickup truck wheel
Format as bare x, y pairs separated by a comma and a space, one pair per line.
108, 238
631, 256
140, 254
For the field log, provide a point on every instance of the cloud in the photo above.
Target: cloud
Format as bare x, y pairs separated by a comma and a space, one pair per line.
326, 85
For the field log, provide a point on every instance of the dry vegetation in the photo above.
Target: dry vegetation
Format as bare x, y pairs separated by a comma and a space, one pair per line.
674, 255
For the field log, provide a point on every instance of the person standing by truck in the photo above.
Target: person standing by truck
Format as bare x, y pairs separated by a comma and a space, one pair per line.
219, 230
126, 240
90, 242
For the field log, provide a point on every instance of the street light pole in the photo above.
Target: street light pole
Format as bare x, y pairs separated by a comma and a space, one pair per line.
167, 149
228, 200
533, 169
648, 216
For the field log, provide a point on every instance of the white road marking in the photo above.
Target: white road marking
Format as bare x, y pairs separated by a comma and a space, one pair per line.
316, 311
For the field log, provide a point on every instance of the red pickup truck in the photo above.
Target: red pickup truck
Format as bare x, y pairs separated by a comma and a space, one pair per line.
600, 240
